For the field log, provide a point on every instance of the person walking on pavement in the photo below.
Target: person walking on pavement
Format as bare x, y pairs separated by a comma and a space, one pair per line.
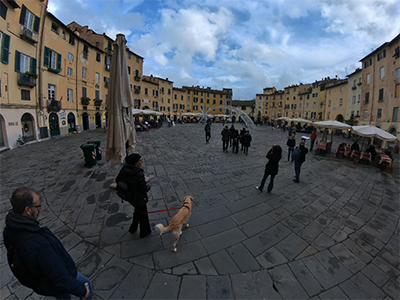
291, 143
207, 129
274, 155
133, 176
232, 129
226, 133
36, 255
241, 134
246, 139
235, 141
313, 138
299, 161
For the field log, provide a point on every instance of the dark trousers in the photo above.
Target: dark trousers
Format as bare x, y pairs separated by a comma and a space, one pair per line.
225, 145
235, 147
264, 179
297, 166
208, 136
312, 144
141, 217
290, 150
246, 149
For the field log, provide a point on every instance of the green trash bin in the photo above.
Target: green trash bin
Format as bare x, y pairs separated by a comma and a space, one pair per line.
98, 148
89, 152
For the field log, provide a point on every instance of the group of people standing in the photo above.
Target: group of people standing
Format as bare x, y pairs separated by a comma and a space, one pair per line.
231, 138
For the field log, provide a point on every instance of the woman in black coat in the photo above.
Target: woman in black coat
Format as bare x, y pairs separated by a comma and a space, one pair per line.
274, 155
132, 174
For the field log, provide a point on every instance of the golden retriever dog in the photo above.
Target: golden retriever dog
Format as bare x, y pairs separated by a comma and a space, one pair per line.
177, 221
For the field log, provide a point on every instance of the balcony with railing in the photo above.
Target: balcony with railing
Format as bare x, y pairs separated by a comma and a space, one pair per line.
27, 79
137, 90
29, 35
137, 78
97, 102
54, 105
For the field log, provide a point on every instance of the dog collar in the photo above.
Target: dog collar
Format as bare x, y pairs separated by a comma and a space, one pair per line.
183, 205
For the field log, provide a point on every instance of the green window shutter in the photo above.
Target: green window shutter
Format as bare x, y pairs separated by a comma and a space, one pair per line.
83, 92
5, 48
58, 62
17, 61
3, 10
85, 48
33, 65
36, 24
97, 94
22, 16
98, 56
46, 57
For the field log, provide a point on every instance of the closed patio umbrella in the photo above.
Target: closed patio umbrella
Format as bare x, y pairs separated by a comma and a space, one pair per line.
121, 133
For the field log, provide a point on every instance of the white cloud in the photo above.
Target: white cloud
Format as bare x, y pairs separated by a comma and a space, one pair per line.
245, 45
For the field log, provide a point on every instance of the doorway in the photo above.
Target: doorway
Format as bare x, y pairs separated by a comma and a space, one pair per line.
85, 121
71, 123
98, 120
54, 124
28, 130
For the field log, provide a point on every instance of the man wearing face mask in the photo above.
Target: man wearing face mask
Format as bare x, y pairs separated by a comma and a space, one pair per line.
35, 253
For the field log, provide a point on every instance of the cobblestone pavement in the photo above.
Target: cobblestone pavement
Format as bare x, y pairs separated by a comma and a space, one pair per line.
335, 235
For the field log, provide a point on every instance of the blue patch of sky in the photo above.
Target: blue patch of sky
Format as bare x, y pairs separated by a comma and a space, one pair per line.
310, 27
151, 9
241, 16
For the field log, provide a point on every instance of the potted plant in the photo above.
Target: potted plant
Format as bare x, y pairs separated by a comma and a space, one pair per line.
85, 100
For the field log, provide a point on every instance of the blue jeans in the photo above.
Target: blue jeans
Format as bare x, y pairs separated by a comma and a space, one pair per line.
270, 185
82, 279
297, 166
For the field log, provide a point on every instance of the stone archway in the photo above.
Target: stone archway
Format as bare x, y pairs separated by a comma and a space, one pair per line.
340, 118
393, 130
28, 128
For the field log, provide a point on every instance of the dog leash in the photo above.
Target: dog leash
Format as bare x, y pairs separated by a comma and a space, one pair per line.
156, 211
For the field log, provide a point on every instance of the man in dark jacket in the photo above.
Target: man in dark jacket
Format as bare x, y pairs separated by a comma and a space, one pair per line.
132, 174
291, 142
226, 133
52, 272
299, 161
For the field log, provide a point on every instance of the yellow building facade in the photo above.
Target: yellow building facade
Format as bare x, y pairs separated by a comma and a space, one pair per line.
336, 102
21, 30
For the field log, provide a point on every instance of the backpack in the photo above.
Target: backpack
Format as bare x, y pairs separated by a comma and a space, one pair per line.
16, 263
123, 192
296, 154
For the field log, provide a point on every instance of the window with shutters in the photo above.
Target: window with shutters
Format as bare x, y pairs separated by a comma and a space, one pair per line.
84, 70
29, 20
3, 10
25, 94
70, 94
72, 40
85, 51
24, 64
97, 56
52, 60
5, 47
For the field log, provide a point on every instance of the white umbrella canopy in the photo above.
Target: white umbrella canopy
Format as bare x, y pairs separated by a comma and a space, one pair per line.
332, 124
373, 131
284, 118
152, 112
300, 120
121, 127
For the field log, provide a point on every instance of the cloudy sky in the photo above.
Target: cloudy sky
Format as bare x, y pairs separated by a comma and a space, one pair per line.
245, 45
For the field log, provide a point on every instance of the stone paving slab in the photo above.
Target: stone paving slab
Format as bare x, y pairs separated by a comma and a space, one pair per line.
333, 235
